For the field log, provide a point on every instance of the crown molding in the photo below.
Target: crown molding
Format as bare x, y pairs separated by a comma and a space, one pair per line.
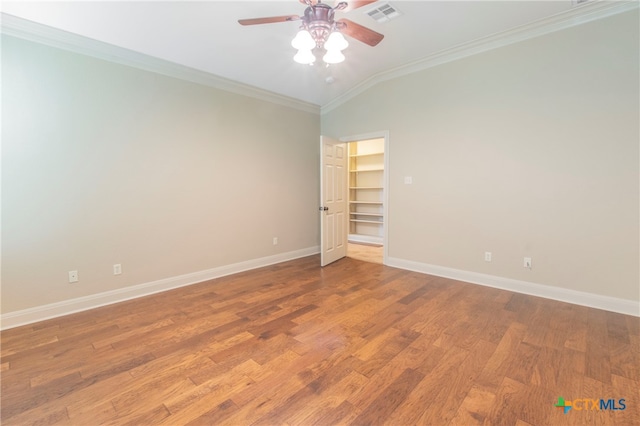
43, 34
585, 13
31, 31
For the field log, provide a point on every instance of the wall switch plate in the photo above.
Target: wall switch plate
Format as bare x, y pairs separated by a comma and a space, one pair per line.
73, 276
487, 256
117, 269
408, 180
527, 262
275, 241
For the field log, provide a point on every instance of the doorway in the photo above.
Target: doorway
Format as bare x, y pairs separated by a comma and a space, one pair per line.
368, 196
354, 205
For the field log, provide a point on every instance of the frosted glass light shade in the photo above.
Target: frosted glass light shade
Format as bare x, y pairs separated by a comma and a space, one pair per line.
336, 41
304, 56
303, 41
333, 57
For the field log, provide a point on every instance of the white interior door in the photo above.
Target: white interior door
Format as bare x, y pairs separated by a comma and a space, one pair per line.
333, 201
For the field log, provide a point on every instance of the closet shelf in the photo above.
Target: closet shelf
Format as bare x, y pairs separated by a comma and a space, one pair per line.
379, 222
366, 170
366, 155
366, 214
366, 187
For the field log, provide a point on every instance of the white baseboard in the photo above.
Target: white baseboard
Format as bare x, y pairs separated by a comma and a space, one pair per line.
613, 304
58, 309
53, 310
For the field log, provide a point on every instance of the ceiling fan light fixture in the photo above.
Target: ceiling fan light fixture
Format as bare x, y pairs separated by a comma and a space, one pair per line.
336, 41
333, 57
320, 31
303, 41
304, 56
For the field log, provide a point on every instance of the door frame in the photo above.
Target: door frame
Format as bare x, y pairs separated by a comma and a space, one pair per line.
381, 134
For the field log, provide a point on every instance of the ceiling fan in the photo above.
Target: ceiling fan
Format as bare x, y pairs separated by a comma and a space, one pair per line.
319, 30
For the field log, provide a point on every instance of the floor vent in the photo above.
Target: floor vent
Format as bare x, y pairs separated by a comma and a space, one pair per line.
383, 12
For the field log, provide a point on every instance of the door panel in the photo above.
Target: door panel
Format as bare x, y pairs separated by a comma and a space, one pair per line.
333, 224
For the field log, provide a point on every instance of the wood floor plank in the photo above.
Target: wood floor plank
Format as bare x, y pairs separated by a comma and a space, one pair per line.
391, 397
365, 252
420, 399
198, 401
474, 407
83, 400
251, 411
577, 333
279, 383
102, 412
216, 415
350, 343
343, 414
623, 362
129, 407
36, 340
506, 406
498, 365
330, 399
523, 362
546, 370
133, 333
623, 387
598, 364
150, 417
387, 352
448, 399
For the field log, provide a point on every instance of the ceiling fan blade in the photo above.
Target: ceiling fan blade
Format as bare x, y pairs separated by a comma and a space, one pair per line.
361, 33
309, 2
354, 4
270, 20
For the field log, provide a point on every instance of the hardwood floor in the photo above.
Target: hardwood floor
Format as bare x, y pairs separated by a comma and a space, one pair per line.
351, 343
365, 252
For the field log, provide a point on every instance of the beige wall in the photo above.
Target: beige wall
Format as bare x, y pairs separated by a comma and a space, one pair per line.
527, 150
106, 164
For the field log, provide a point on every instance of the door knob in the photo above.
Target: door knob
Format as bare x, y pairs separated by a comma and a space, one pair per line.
324, 209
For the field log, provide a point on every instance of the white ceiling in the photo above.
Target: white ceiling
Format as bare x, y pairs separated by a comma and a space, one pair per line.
206, 36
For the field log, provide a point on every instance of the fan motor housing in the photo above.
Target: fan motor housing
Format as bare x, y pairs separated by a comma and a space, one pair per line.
318, 20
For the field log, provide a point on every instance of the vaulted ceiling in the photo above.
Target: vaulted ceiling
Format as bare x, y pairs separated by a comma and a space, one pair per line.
206, 36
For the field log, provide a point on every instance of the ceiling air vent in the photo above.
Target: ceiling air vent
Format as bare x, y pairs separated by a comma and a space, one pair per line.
383, 12
578, 2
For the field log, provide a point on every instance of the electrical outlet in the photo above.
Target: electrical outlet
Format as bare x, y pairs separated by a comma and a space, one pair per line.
73, 276
275, 241
117, 269
527, 262
487, 256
